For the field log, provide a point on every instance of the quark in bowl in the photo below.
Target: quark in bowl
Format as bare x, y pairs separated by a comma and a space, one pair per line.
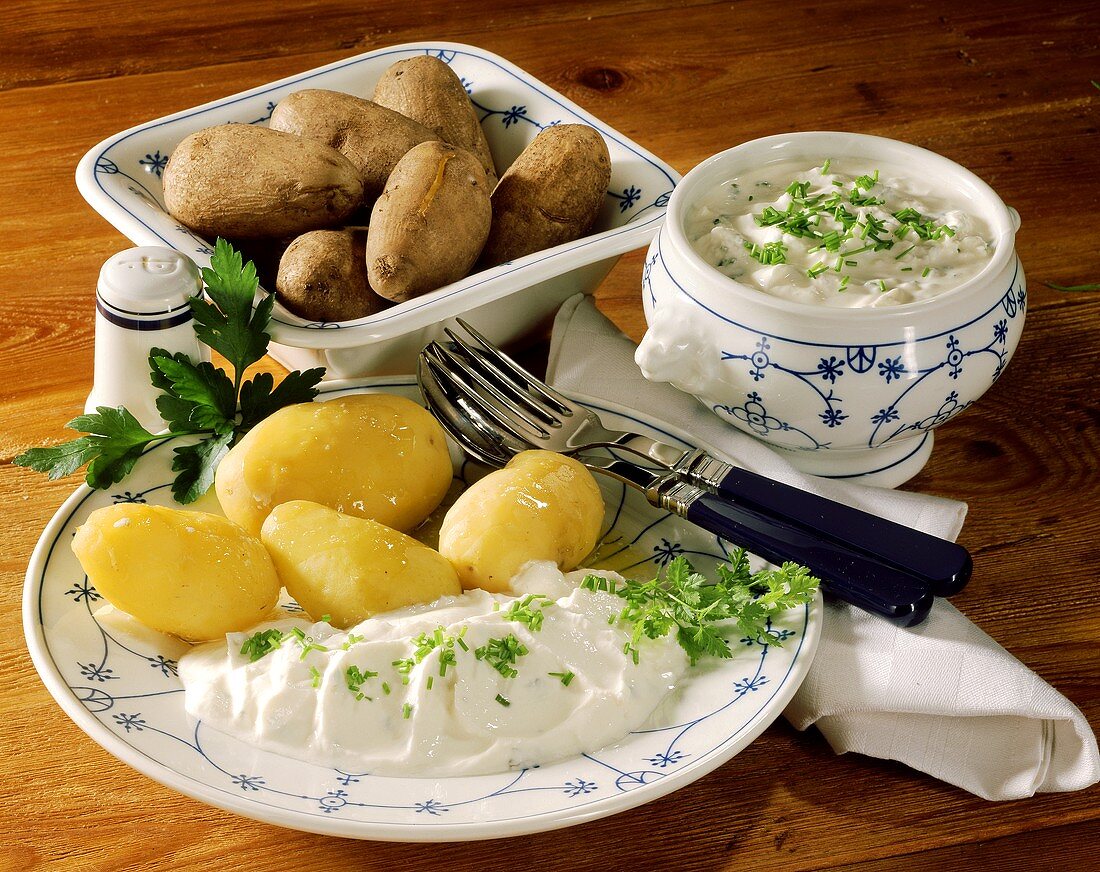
865, 295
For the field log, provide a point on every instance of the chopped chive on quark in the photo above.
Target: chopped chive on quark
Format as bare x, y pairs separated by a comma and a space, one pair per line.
503, 701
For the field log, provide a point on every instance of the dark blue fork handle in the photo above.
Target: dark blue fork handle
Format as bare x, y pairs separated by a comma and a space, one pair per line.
945, 564
847, 574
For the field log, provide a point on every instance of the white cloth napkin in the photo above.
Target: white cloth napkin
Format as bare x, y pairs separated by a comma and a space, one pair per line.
943, 698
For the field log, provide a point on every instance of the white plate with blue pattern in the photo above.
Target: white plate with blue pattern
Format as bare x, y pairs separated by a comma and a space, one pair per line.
118, 682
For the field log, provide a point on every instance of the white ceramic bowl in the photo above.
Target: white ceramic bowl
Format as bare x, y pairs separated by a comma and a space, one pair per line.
121, 179
842, 392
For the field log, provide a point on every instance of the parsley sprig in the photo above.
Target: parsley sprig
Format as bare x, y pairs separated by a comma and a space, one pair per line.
682, 600
196, 399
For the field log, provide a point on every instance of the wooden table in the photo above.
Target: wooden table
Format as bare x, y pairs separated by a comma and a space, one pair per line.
1005, 91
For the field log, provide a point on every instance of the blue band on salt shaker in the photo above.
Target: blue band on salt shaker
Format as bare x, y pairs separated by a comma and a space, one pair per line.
182, 316
142, 302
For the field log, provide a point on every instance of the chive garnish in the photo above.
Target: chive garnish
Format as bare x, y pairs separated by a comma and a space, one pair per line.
315, 673
261, 644
502, 654
927, 270
503, 701
406, 711
563, 677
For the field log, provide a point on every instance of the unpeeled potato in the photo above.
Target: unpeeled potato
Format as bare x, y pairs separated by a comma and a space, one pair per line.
375, 456
351, 568
427, 90
428, 227
241, 181
193, 574
541, 506
550, 195
372, 137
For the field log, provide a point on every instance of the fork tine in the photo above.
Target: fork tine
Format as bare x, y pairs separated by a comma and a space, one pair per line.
518, 393
463, 398
466, 383
457, 363
564, 406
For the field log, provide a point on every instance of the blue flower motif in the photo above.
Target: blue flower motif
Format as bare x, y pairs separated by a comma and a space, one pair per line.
884, 416
760, 359
248, 782
832, 417
130, 722
629, 197
664, 553
167, 667
204, 249
96, 673
830, 369
444, 55
467, 84
669, 759
1000, 331
954, 357
579, 787
106, 166
747, 684
891, 368
334, 800
84, 590
292, 607
782, 635
431, 806
154, 163
513, 115
127, 497
346, 778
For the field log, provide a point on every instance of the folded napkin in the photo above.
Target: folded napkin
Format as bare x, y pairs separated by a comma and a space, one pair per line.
943, 698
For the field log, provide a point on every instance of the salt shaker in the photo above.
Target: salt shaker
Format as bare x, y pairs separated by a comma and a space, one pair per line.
141, 304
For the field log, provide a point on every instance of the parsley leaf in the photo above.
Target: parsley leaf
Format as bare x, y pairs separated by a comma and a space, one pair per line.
196, 399
228, 323
195, 465
259, 399
699, 611
195, 395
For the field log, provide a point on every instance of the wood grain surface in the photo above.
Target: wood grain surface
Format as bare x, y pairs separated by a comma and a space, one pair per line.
1001, 88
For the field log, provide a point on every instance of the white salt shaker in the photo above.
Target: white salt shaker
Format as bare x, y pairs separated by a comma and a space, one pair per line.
141, 304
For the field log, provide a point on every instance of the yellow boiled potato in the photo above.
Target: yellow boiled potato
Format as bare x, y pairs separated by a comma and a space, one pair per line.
351, 568
377, 456
541, 506
193, 574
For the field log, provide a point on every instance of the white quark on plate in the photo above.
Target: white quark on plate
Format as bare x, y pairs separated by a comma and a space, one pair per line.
119, 682
453, 717
725, 229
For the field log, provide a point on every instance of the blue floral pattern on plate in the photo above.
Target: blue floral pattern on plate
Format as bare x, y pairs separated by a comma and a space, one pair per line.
119, 681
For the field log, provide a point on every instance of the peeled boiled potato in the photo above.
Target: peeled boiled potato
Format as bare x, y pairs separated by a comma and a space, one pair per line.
351, 568
375, 456
541, 506
193, 574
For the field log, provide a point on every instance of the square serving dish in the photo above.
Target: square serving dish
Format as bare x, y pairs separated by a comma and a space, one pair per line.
121, 179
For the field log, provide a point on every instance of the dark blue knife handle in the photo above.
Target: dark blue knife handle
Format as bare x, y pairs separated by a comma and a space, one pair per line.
847, 574
945, 564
